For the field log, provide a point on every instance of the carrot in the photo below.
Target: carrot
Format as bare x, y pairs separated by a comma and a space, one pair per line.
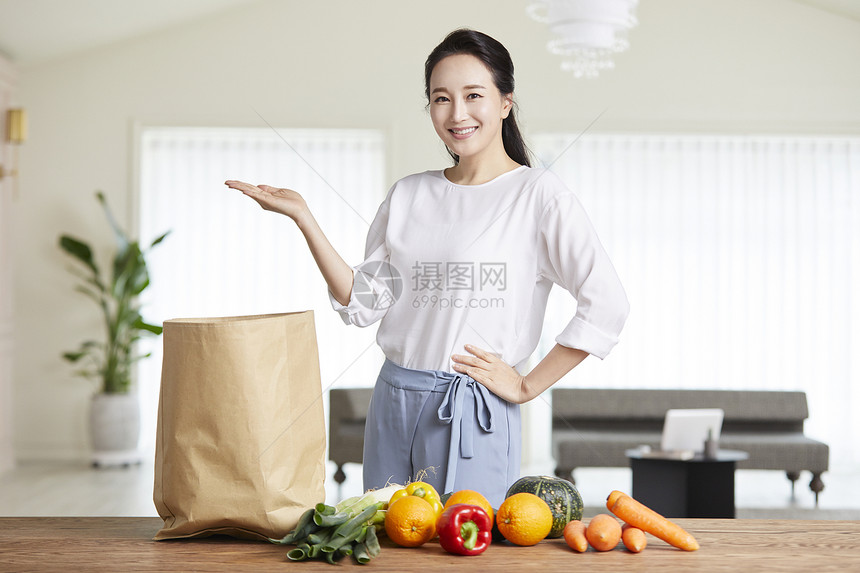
603, 532
631, 511
613, 495
633, 538
574, 535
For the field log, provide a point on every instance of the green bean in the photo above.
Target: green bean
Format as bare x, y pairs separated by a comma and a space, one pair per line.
372, 542
300, 553
359, 553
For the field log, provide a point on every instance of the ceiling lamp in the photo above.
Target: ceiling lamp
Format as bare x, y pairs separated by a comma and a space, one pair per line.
587, 33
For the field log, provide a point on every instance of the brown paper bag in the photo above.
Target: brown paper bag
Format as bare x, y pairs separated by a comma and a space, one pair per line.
241, 437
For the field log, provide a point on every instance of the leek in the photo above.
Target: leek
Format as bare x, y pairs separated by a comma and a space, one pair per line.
348, 528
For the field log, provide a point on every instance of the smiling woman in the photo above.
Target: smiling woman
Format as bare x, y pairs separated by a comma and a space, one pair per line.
470, 78
488, 229
468, 116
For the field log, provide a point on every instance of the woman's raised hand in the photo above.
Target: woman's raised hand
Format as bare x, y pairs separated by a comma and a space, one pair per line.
336, 272
284, 201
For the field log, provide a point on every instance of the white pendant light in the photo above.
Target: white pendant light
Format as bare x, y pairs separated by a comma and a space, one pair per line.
587, 33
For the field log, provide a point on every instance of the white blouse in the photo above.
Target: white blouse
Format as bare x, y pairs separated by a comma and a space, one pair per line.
448, 265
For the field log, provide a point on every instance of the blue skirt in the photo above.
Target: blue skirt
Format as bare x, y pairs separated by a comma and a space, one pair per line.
443, 428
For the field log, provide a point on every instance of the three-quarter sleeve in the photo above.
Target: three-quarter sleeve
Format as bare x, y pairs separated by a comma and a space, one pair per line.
370, 297
573, 257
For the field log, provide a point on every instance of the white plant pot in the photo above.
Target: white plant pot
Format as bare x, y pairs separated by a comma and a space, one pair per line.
115, 429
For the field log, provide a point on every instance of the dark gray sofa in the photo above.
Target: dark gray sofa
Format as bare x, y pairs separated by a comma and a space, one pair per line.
594, 427
347, 413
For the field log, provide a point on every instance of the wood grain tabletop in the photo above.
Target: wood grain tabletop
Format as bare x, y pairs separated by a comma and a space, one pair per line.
83, 544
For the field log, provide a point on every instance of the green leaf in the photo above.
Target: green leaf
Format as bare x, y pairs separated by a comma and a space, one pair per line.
141, 284
80, 251
111, 360
159, 239
121, 238
141, 325
130, 274
87, 277
89, 292
74, 356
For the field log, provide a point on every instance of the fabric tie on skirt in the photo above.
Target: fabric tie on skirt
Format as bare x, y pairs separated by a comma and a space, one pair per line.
420, 420
462, 420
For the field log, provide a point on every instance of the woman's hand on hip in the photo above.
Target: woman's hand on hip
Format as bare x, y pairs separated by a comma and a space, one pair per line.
499, 377
284, 201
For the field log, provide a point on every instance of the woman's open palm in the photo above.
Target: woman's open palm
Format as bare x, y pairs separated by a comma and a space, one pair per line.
284, 201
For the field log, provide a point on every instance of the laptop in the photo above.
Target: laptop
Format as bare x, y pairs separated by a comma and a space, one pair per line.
685, 430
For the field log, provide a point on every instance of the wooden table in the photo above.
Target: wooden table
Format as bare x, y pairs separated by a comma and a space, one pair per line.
84, 544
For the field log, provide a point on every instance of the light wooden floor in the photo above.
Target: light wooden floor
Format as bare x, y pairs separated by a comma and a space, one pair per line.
74, 489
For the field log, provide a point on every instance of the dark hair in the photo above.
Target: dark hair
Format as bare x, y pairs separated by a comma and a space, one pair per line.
497, 59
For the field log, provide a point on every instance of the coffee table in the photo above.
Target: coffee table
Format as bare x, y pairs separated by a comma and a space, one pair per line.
677, 487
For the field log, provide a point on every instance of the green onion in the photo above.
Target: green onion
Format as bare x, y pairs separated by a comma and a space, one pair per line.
372, 542
348, 528
360, 554
360, 519
300, 553
333, 519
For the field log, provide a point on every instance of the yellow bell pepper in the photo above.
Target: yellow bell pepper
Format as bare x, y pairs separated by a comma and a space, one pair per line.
423, 490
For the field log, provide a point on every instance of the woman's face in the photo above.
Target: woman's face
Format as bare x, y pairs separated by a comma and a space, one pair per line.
466, 107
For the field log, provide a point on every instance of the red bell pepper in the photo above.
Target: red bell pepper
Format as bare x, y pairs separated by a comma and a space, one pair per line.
464, 529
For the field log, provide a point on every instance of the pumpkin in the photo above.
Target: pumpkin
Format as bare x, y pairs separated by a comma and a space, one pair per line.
559, 494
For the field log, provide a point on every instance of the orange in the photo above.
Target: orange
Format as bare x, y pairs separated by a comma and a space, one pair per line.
410, 521
603, 532
470, 497
524, 519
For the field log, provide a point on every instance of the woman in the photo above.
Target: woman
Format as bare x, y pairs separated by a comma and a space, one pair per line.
459, 264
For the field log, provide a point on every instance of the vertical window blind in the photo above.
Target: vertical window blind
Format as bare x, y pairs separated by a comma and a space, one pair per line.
740, 254
225, 256
741, 259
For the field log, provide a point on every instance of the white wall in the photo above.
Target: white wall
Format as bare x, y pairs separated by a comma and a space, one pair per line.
743, 66
8, 81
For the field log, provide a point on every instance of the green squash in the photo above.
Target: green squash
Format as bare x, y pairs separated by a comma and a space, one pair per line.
559, 494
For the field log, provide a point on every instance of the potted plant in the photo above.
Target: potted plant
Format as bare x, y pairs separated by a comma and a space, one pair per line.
114, 409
